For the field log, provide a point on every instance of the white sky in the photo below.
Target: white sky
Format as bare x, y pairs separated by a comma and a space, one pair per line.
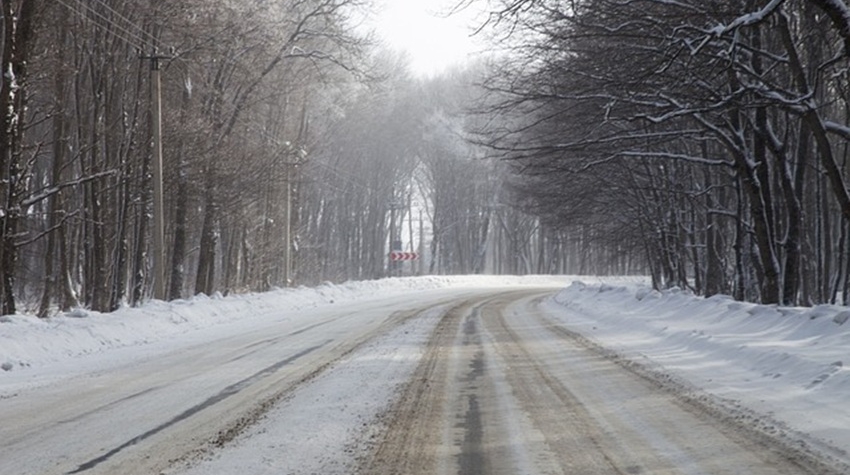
433, 40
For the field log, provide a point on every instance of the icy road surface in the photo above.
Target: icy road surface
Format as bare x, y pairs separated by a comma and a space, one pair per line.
449, 378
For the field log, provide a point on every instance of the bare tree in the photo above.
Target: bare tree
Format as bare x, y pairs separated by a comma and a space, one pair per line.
681, 96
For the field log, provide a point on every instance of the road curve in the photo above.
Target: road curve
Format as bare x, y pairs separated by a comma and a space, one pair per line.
500, 389
503, 390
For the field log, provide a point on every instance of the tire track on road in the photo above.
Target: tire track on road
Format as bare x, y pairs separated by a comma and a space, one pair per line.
447, 418
411, 443
503, 390
573, 442
224, 394
213, 422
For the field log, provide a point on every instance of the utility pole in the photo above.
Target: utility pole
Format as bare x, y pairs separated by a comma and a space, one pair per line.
392, 262
395, 241
421, 244
287, 253
158, 200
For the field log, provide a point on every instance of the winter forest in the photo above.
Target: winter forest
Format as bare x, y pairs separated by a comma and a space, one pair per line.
702, 143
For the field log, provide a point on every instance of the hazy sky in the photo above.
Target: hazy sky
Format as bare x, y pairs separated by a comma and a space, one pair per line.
433, 40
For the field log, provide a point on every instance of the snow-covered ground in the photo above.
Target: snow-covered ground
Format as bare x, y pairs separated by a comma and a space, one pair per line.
788, 363
792, 364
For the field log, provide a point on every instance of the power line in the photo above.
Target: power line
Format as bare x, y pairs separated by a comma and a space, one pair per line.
133, 40
128, 21
123, 28
342, 175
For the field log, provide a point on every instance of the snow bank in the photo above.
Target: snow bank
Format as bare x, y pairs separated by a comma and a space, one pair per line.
790, 363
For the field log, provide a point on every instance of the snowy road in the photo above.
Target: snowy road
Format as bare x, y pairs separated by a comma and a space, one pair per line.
504, 390
454, 380
140, 416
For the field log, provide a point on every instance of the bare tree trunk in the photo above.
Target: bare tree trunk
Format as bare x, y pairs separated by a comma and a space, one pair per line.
714, 275
17, 34
60, 145
181, 197
178, 250
792, 185
739, 292
825, 257
141, 239
205, 279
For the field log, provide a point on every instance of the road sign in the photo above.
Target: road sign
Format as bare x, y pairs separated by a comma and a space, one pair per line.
404, 256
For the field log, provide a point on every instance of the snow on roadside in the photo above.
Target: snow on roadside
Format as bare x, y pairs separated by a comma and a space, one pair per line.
324, 425
27, 342
790, 363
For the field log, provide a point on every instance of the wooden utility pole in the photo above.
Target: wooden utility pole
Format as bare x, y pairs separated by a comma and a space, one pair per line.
158, 199
395, 239
287, 253
421, 262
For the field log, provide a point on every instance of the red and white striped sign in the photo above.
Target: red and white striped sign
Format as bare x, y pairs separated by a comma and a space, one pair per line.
404, 256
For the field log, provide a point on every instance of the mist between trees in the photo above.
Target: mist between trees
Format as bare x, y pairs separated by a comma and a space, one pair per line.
702, 143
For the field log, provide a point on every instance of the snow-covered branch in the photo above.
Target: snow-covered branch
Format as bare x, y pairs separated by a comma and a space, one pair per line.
50, 191
676, 156
748, 19
837, 129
